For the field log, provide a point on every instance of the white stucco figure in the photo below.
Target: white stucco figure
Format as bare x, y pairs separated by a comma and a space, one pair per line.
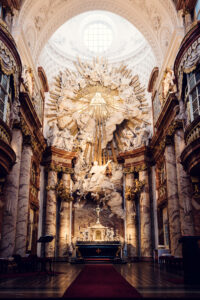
168, 82
14, 112
28, 79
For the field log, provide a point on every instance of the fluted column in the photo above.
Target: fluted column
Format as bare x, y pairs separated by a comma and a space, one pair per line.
145, 216
64, 230
131, 230
50, 222
23, 201
184, 189
11, 199
173, 201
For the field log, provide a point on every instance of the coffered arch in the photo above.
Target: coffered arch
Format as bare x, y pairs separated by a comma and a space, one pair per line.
44, 18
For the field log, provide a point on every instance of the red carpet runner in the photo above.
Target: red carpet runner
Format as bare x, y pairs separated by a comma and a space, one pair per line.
100, 281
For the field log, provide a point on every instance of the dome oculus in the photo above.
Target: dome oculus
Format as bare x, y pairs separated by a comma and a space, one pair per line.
98, 37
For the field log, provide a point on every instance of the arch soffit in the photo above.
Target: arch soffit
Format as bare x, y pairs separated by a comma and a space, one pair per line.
134, 11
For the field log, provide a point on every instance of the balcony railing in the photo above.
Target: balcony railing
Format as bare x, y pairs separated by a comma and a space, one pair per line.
192, 132
5, 133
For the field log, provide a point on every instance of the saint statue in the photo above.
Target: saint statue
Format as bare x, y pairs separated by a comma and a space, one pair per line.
168, 83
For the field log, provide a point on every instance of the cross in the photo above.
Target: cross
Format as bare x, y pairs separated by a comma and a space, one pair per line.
98, 209
98, 250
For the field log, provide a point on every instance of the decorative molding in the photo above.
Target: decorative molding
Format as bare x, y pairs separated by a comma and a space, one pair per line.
59, 168
9, 58
5, 28
5, 133
7, 158
192, 132
133, 169
190, 157
43, 78
152, 79
168, 138
188, 55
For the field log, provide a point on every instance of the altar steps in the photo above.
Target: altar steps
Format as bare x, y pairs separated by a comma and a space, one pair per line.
97, 261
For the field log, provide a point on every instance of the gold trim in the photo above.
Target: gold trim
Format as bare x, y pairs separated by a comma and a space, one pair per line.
133, 169
4, 135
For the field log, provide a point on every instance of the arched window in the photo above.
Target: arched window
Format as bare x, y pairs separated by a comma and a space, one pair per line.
192, 94
6, 95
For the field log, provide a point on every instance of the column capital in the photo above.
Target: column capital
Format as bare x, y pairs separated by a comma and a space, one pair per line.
133, 169
58, 168
135, 189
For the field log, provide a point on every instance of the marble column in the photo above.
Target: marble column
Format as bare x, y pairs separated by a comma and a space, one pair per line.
50, 221
11, 199
64, 230
173, 201
131, 230
23, 201
184, 187
155, 212
145, 217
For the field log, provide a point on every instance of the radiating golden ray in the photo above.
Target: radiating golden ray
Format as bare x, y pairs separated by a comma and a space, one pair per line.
51, 105
101, 111
113, 152
90, 158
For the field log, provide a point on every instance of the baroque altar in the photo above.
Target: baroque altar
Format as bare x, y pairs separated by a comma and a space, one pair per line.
98, 241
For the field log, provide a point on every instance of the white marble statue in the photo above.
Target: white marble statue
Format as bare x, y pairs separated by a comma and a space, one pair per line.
98, 179
28, 79
168, 82
15, 112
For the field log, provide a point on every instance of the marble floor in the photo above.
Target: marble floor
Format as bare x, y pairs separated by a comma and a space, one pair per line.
149, 279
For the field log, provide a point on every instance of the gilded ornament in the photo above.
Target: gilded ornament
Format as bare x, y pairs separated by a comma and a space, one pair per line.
51, 187
64, 192
59, 168
134, 169
4, 27
135, 189
8, 65
4, 135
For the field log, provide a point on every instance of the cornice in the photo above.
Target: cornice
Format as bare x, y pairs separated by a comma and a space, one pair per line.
159, 141
53, 151
58, 157
167, 111
29, 111
134, 153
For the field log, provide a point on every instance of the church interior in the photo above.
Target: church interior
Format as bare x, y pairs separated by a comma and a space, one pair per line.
100, 148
